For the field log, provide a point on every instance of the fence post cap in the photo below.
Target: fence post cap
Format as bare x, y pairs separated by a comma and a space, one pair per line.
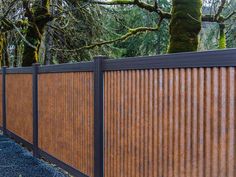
99, 57
36, 64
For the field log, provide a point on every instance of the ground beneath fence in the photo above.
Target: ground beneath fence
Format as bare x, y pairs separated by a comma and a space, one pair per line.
15, 161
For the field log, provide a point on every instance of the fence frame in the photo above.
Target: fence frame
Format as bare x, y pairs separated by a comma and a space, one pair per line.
209, 59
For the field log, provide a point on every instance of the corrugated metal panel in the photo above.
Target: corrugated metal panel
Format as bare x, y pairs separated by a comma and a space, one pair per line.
170, 123
19, 105
66, 118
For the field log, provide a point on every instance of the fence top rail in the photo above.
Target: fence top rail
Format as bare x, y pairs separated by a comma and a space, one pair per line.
217, 58
69, 67
60, 68
19, 70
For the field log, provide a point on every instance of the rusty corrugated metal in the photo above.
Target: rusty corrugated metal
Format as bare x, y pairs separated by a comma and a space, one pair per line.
170, 123
66, 118
19, 105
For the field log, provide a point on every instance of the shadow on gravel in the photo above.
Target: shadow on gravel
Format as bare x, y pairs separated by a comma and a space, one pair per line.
15, 161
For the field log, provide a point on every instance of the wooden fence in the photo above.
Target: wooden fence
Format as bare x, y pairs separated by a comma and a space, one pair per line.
162, 116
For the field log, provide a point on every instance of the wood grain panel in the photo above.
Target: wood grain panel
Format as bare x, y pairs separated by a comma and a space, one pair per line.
66, 118
19, 105
170, 123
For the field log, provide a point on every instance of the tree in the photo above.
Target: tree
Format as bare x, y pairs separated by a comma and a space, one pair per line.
38, 16
185, 20
72, 30
185, 25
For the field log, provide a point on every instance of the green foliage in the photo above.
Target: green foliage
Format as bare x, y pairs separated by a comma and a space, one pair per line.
119, 21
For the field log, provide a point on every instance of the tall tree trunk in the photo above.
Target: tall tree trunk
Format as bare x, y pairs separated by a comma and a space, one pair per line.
48, 45
185, 25
15, 63
1, 48
38, 18
222, 39
4, 55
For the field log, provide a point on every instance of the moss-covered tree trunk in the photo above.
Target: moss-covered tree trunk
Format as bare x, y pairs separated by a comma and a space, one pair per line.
1, 48
38, 18
185, 25
4, 57
222, 38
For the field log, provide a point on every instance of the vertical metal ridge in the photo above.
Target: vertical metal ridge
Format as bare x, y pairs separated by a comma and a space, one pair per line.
134, 127
188, 122
165, 124
207, 142
105, 124
155, 132
215, 124
161, 121
151, 123
194, 123
176, 123
182, 120
201, 139
139, 141
223, 115
231, 121
170, 123
129, 124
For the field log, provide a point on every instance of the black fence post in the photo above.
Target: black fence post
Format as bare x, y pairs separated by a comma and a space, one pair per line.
4, 116
98, 117
35, 109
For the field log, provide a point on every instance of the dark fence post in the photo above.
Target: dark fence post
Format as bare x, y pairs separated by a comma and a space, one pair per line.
98, 117
35, 109
4, 116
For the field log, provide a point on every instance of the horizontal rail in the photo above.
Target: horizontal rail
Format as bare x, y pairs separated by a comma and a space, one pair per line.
76, 67
45, 155
218, 58
19, 139
61, 164
20, 70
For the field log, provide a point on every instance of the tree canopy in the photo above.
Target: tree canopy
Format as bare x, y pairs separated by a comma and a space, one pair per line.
61, 31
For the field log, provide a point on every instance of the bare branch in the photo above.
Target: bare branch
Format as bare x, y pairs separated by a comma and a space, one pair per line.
143, 5
230, 15
166, 15
220, 9
131, 32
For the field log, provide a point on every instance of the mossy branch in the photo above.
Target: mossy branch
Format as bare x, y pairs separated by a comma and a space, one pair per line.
130, 33
220, 9
142, 5
7, 25
218, 18
229, 16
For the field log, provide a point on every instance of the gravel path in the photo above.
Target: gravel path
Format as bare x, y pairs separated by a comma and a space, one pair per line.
15, 161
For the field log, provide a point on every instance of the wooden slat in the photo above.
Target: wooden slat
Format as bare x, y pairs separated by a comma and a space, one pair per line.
66, 118
19, 105
170, 123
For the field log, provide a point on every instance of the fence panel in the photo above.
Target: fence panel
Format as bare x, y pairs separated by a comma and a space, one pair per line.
170, 122
19, 105
66, 118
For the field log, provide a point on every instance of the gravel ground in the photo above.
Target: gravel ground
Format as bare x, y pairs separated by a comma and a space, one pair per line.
15, 161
